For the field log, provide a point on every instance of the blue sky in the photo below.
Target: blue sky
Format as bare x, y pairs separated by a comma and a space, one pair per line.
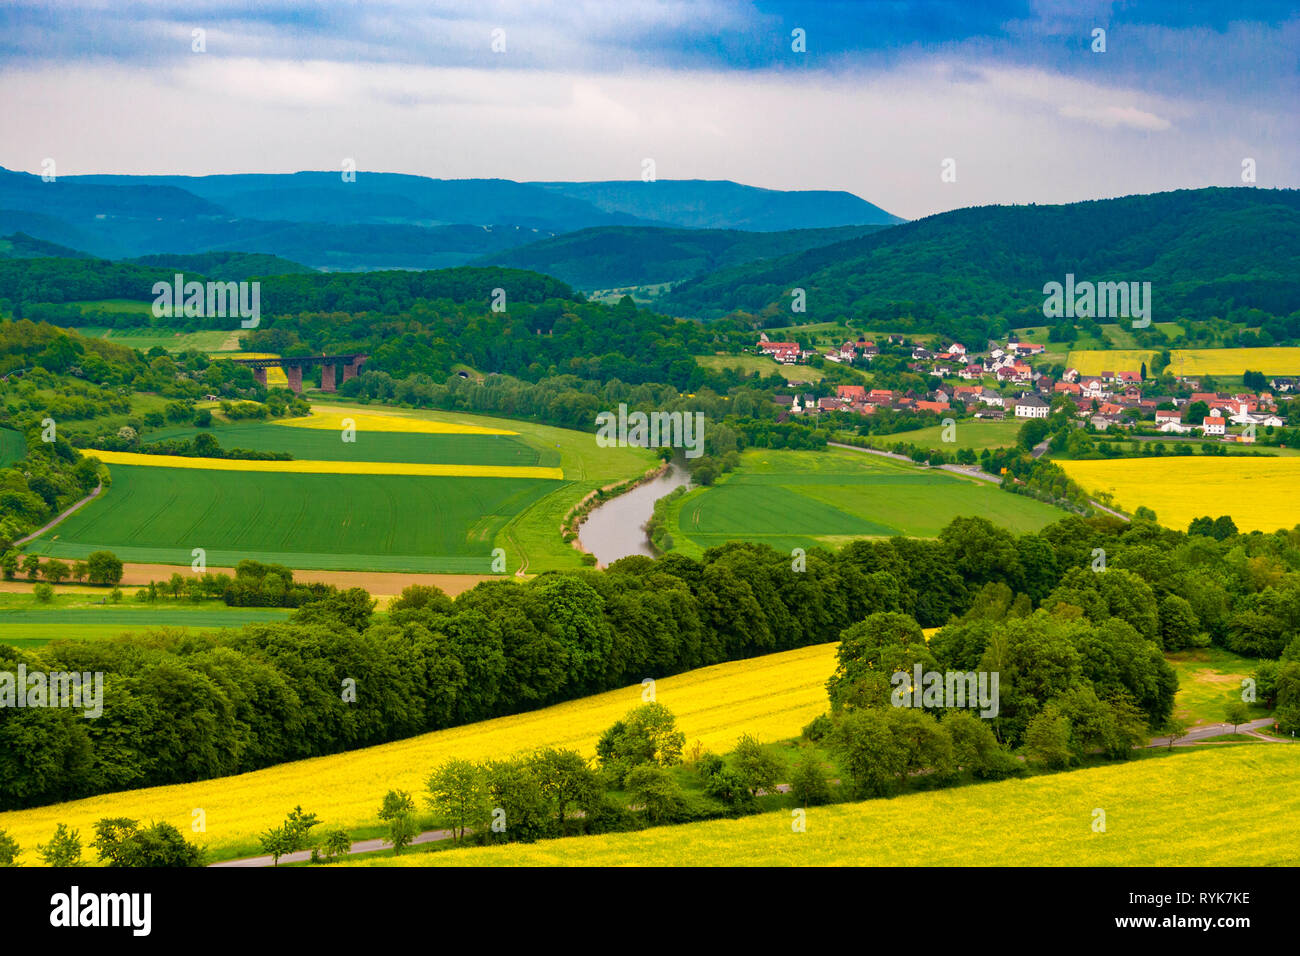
884, 93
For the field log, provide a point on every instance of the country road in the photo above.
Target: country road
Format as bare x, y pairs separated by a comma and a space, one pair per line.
1215, 730
40, 531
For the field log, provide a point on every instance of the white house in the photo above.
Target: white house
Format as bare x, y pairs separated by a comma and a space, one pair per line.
1214, 425
1031, 406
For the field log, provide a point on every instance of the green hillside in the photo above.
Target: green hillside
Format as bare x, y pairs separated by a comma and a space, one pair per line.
618, 256
1206, 251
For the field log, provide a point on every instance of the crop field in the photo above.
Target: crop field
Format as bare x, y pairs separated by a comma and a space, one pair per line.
330, 467
1094, 362
12, 446
363, 423
772, 697
1259, 493
418, 492
1192, 362
380, 522
975, 435
1181, 809
381, 445
1270, 361
205, 340
30, 627
792, 499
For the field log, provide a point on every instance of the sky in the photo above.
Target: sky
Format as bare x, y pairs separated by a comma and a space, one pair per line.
1015, 101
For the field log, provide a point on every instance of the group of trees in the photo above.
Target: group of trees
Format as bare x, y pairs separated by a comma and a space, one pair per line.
119, 841
51, 476
100, 567
335, 677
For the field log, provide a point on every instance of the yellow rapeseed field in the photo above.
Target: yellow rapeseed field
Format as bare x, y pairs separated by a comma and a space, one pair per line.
364, 422
1259, 493
772, 697
311, 467
1094, 362
1216, 806
1270, 361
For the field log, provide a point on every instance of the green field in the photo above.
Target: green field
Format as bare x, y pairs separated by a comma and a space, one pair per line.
12, 446
792, 499
320, 444
975, 435
748, 364
360, 522
1209, 678
354, 522
33, 625
1188, 808
145, 338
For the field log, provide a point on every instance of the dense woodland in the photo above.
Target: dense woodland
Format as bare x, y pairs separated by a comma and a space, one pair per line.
974, 272
189, 707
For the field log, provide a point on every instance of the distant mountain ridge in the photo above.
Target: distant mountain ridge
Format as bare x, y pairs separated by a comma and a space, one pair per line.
383, 220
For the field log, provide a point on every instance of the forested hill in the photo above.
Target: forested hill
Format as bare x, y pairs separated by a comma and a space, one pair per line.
32, 281
620, 256
1205, 251
22, 246
225, 266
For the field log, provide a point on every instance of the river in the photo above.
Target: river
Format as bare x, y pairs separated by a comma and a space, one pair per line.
615, 529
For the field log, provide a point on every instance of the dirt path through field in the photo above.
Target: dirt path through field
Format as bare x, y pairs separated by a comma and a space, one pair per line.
379, 583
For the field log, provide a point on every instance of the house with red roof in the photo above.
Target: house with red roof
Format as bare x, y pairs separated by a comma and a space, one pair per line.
851, 393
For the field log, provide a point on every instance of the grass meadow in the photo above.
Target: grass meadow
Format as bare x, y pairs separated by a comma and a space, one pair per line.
792, 499
87, 615
975, 435
748, 364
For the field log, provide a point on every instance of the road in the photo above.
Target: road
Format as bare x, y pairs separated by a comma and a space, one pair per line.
40, 531
1215, 730
361, 846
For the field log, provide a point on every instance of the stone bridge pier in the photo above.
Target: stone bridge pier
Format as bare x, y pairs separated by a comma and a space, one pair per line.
294, 374
351, 368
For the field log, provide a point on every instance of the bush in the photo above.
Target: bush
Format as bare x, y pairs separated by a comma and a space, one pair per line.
44, 593
818, 728
808, 784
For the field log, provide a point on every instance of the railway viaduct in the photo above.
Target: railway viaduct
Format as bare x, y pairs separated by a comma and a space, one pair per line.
293, 368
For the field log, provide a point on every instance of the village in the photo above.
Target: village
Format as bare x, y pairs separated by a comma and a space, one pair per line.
1003, 382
